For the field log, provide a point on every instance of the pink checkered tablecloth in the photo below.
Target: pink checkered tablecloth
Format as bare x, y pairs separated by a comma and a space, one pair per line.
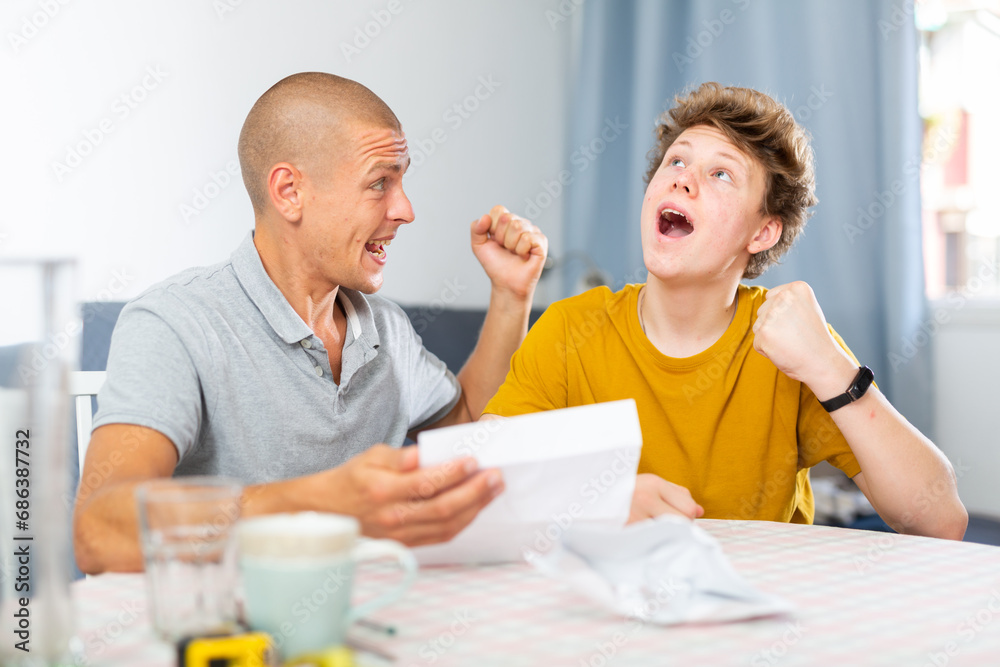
862, 598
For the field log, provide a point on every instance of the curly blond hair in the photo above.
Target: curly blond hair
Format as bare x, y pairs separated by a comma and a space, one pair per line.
765, 130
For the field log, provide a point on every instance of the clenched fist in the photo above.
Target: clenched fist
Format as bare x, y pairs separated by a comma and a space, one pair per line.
511, 250
792, 333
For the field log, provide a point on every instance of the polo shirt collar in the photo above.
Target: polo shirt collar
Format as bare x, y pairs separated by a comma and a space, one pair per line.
360, 319
272, 304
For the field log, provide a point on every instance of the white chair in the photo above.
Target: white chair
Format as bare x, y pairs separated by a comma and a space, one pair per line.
83, 385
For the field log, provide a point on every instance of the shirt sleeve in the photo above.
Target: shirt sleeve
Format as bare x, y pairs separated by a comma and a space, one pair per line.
433, 389
819, 437
151, 379
537, 379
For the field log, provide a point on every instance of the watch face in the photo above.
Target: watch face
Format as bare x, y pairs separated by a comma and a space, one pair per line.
862, 381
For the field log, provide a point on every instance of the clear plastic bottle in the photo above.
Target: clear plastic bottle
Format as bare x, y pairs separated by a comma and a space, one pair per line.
39, 343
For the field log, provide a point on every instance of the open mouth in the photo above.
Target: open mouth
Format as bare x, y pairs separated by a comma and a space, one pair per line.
674, 224
376, 248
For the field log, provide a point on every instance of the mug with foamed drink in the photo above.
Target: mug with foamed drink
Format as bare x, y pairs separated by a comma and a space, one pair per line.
298, 571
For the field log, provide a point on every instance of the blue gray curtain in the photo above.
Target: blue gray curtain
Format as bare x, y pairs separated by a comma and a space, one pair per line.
848, 71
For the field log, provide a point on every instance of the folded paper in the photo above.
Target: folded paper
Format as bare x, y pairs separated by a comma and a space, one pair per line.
561, 468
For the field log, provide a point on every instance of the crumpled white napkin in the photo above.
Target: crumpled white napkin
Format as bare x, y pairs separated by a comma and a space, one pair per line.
665, 570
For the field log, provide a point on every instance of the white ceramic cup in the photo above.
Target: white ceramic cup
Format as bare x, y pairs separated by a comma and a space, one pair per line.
297, 573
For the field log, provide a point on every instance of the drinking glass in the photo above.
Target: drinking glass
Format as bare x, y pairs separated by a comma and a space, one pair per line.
186, 527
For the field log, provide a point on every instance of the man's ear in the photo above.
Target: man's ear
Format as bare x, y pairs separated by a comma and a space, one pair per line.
767, 236
284, 187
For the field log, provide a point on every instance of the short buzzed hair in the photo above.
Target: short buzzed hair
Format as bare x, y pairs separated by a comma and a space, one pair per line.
297, 120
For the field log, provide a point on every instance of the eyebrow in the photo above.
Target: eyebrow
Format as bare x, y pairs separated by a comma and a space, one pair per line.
724, 154
390, 166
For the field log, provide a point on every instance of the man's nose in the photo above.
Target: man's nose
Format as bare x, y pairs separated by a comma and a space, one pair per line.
401, 210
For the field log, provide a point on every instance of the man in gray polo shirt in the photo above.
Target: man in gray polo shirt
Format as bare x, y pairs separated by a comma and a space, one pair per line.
281, 367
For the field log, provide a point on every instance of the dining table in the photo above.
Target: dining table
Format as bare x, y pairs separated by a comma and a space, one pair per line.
857, 598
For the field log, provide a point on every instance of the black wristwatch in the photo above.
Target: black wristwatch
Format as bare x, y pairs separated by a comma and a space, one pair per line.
862, 381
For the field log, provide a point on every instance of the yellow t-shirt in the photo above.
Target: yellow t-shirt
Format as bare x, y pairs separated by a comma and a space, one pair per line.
725, 423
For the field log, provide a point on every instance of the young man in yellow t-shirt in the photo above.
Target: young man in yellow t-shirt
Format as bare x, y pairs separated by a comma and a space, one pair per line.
740, 389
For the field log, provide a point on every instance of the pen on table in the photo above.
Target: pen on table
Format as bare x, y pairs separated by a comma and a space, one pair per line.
378, 627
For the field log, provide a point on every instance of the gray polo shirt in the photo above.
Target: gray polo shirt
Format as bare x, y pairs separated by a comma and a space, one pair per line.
216, 360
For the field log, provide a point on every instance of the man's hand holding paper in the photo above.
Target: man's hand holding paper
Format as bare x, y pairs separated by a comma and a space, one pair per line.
393, 498
561, 468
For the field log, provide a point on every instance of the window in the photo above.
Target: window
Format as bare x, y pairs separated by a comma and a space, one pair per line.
960, 172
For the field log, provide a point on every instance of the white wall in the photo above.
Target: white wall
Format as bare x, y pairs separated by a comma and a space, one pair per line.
118, 208
967, 370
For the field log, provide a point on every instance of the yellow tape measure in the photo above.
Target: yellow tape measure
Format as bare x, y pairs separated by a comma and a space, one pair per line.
253, 649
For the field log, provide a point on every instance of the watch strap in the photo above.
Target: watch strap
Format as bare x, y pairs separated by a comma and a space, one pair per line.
862, 381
